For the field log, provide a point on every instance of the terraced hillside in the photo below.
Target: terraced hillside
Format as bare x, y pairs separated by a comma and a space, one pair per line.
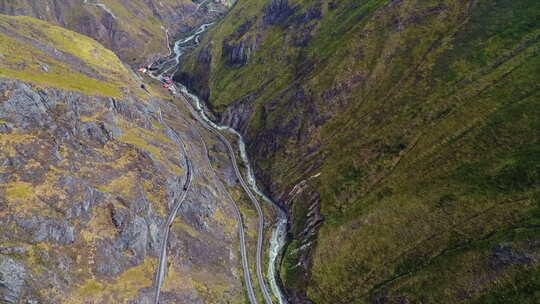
422, 118
89, 171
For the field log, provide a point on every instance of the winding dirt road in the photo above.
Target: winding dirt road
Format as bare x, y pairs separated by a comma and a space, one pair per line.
232, 156
177, 201
216, 130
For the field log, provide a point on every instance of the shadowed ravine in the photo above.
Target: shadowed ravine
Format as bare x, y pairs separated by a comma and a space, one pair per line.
278, 235
162, 69
396, 145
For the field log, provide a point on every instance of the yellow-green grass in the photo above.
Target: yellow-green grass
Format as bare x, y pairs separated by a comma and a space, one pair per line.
120, 290
24, 61
18, 191
155, 41
153, 141
67, 41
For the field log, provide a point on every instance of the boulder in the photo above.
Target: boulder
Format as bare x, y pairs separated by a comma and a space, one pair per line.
48, 229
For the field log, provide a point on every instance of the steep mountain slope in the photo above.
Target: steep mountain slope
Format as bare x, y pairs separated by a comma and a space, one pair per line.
69, 60
135, 30
422, 118
89, 171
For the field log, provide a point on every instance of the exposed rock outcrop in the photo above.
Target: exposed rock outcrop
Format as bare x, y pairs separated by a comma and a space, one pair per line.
238, 53
277, 11
136, 32
503, 255
405, 108
12, 279
86, 184
42, 229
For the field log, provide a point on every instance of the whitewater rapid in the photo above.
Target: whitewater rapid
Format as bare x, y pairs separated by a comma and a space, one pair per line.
279, 231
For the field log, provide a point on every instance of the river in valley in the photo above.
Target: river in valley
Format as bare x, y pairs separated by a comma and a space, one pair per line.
166, 67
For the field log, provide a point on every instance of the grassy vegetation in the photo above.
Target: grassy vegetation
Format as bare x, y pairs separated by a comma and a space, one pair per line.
456, 169
147, 30
18, 191
152, 141
134, 34
143, 157
207, 284
92, 69
290, 276
126, 284
523, 289
431, 150
121, 186
100, 226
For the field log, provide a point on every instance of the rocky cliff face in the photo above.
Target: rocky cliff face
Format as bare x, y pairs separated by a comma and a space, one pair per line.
401, 137
135, 30
418, 117
88, 176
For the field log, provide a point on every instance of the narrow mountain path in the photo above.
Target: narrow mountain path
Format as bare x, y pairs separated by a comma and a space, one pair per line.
241, 232
171, 62
177, 203
232, 155
162, 266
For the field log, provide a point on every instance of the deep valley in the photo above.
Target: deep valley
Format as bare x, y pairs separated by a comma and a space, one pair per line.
269, 151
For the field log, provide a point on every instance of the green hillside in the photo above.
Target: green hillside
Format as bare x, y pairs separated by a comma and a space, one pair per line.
133, 29
33, 50
424, 119
401, 136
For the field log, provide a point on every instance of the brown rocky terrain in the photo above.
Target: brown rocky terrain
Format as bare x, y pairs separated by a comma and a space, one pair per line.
88, 175
135, 30
401, 137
